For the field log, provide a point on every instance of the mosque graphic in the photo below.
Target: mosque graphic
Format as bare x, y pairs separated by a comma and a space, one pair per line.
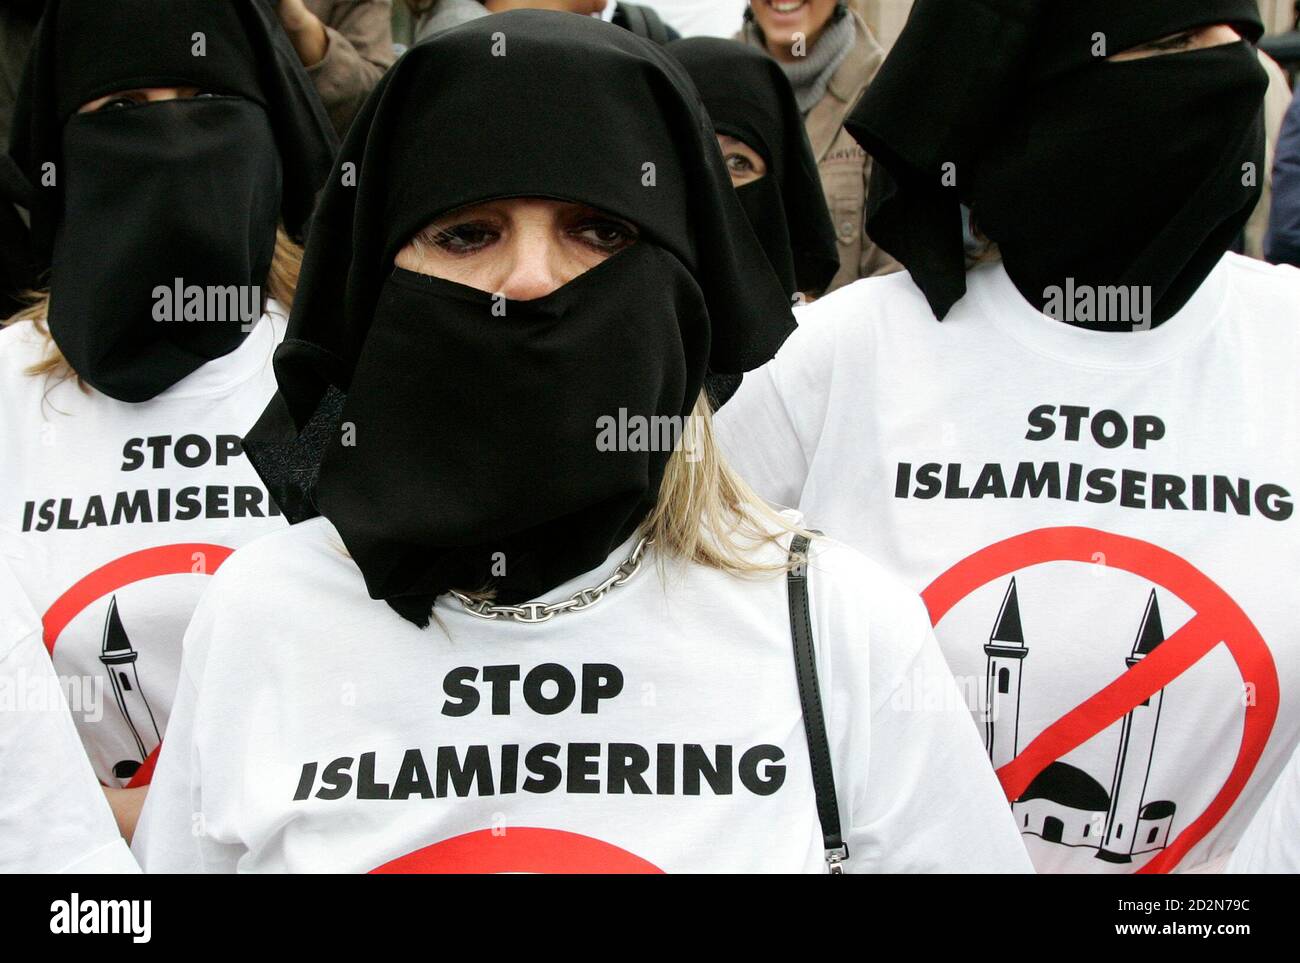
120, 661
1064, 804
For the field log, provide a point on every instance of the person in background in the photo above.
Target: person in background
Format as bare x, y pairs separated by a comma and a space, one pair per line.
763, 143
547, 286
1283, 244
18, 19
346, 45
435, 16
1254, 240
885, 18
701, 18
165, 217
830, 56
642, 20
1083, 449
760, 132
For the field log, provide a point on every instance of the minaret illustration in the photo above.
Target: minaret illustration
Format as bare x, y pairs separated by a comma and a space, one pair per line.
1130, 827
1006, 651
1064, 804
119, 658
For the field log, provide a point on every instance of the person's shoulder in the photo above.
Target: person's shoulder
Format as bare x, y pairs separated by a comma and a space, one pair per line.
21, 344
260, 582
269, 564
886, 293
1264, 284
865, 590
862, 312
261, 586
870, 627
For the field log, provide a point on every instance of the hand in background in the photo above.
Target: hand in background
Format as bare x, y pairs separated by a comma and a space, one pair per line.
305, 31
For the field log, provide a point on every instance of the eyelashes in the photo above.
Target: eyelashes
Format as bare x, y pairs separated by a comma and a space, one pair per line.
463, 238
137, 99
596, 231
1181, 41
740, 164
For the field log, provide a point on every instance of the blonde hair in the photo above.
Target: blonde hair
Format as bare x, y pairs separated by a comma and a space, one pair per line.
281, 283
707, 514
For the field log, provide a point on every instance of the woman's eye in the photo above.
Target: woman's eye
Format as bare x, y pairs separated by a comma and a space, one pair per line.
605, 235
739, 164
463, 238
117, 102
1179, 42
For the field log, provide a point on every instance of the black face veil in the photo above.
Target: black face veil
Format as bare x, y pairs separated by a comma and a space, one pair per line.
1085, 171
466, 454
181, 195
748, 97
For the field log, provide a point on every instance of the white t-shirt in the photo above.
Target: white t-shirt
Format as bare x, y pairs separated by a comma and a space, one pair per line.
660, 730
1272, 843
1078, 508
53, 815
115, 514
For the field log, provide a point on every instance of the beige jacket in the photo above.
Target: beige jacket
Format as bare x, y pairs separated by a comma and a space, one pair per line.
885, 18
360, 50
844, 166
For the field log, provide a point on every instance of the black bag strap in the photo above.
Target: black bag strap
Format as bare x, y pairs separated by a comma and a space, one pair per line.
814, 719
645, 22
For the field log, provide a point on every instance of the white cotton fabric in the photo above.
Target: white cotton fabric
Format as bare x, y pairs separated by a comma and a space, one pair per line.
131, 507
927, 446
314, 730
53, 815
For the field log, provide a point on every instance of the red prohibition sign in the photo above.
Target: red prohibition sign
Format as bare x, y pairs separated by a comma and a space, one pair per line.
136, 567
519, 850
1217, 619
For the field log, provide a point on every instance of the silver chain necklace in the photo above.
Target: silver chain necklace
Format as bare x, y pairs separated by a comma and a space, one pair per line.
534, 612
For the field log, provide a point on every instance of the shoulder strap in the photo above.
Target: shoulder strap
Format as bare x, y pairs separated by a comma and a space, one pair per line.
645, 22
814, 720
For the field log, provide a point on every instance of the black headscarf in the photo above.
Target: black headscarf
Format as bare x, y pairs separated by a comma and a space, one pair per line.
129, 199
749, 97
1115, 173
16, 275
466, 453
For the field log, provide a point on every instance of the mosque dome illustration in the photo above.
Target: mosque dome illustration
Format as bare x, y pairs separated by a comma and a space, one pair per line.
1064, 804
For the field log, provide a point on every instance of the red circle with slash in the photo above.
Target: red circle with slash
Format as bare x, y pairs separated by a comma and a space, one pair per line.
1217, 619
135, 567
523, 849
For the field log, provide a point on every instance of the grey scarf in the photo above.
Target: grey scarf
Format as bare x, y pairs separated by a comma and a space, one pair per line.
810, 74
